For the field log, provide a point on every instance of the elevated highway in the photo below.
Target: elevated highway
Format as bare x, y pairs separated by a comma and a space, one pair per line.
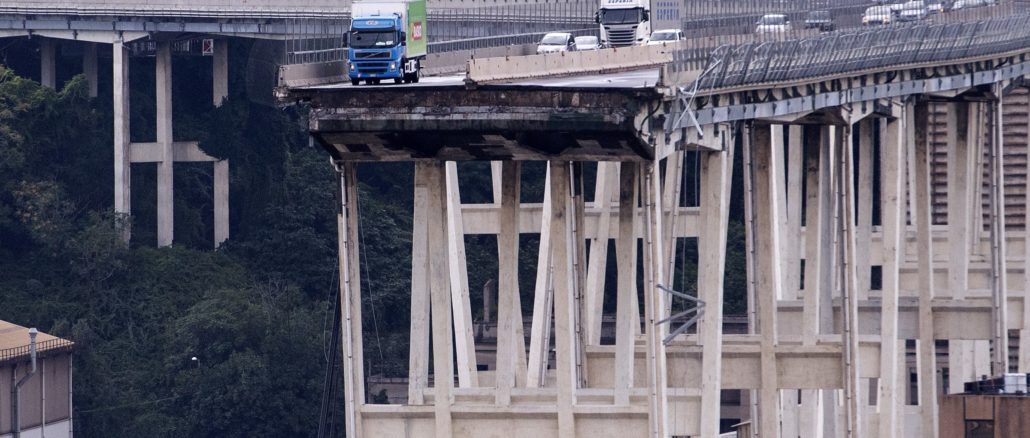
822, 127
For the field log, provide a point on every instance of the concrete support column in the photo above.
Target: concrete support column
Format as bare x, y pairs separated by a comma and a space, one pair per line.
122, 151
717, 180
464, 342
418, 347
1024, 334
350, 300
433, 177
916, 126
165, 203
849, 287
766, 157
864, 209
817, 319
565, 338
221, 200
89, 66
509, 303
892, 170
606, 189
654, 303
626, 255
48, 62
220, 72
540, 334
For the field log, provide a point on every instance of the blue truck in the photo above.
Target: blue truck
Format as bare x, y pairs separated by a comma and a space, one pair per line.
387, 40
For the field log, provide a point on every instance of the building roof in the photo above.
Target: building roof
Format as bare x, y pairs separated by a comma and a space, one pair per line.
14, 342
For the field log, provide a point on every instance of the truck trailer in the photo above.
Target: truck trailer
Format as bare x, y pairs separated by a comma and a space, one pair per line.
386, 40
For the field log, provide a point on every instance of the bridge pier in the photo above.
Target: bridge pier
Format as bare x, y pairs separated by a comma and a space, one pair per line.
48, 62
164, 151
89, 66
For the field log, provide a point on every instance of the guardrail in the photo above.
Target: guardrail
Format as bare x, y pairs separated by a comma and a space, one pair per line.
48, 346
568, 63
845, 52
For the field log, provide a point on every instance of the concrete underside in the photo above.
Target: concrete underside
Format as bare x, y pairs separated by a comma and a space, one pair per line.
489, 123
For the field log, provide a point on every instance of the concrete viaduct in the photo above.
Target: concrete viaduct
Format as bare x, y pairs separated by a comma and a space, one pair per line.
312, 26
928, 120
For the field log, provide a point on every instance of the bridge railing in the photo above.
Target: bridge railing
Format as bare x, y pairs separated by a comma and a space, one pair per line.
845, 52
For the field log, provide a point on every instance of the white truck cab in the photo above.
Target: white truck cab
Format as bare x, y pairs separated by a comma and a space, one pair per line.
624, 22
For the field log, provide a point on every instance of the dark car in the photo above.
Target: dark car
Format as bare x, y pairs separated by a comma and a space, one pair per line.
819, 20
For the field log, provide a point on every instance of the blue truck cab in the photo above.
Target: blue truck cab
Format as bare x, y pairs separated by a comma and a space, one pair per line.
386, 41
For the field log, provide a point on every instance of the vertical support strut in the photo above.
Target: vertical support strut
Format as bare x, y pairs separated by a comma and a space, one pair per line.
122, 154
48, 63
817, 256
766, 157
607, 184
918, 125
464, 340
90, 66
165, 186
849, 284
508, 301
418, 351
440, 297
892, 166
350, 299
626, 254
717, 180
564, 317
540, 335
654, 302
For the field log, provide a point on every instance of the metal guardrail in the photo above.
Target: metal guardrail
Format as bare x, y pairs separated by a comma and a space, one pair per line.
844, 52
49, 346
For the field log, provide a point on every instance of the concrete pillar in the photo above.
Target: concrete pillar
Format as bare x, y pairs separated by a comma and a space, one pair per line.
165, 204
654, 302
508, 300
89, 66
163, 78
540, 334
717, 177
418, 348
892, 170
48, 62
464, 345
350, 300
221, 200
606, 187
916, 127
864, 198
766, 157
626, 256
440, 297
565, 338
220, 72
850, 286
122, 154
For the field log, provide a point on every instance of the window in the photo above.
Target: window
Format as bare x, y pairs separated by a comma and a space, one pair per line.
373, 38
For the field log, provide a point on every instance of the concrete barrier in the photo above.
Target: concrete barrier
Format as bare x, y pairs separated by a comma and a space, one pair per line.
568, 63
457, 61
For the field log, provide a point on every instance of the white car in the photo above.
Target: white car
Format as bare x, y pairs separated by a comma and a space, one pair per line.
555, 42
913, 11
585, 43
771, 23
664, 36
878, 15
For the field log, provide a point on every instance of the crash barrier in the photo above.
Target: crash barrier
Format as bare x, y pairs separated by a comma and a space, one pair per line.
847, 52
455, 61
568, 63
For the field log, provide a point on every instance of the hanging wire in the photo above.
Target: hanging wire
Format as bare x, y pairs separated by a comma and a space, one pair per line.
371, 290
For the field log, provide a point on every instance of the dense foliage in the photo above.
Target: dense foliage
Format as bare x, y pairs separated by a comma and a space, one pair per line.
257, 312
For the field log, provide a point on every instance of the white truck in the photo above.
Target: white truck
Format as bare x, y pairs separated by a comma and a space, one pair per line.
624, 22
